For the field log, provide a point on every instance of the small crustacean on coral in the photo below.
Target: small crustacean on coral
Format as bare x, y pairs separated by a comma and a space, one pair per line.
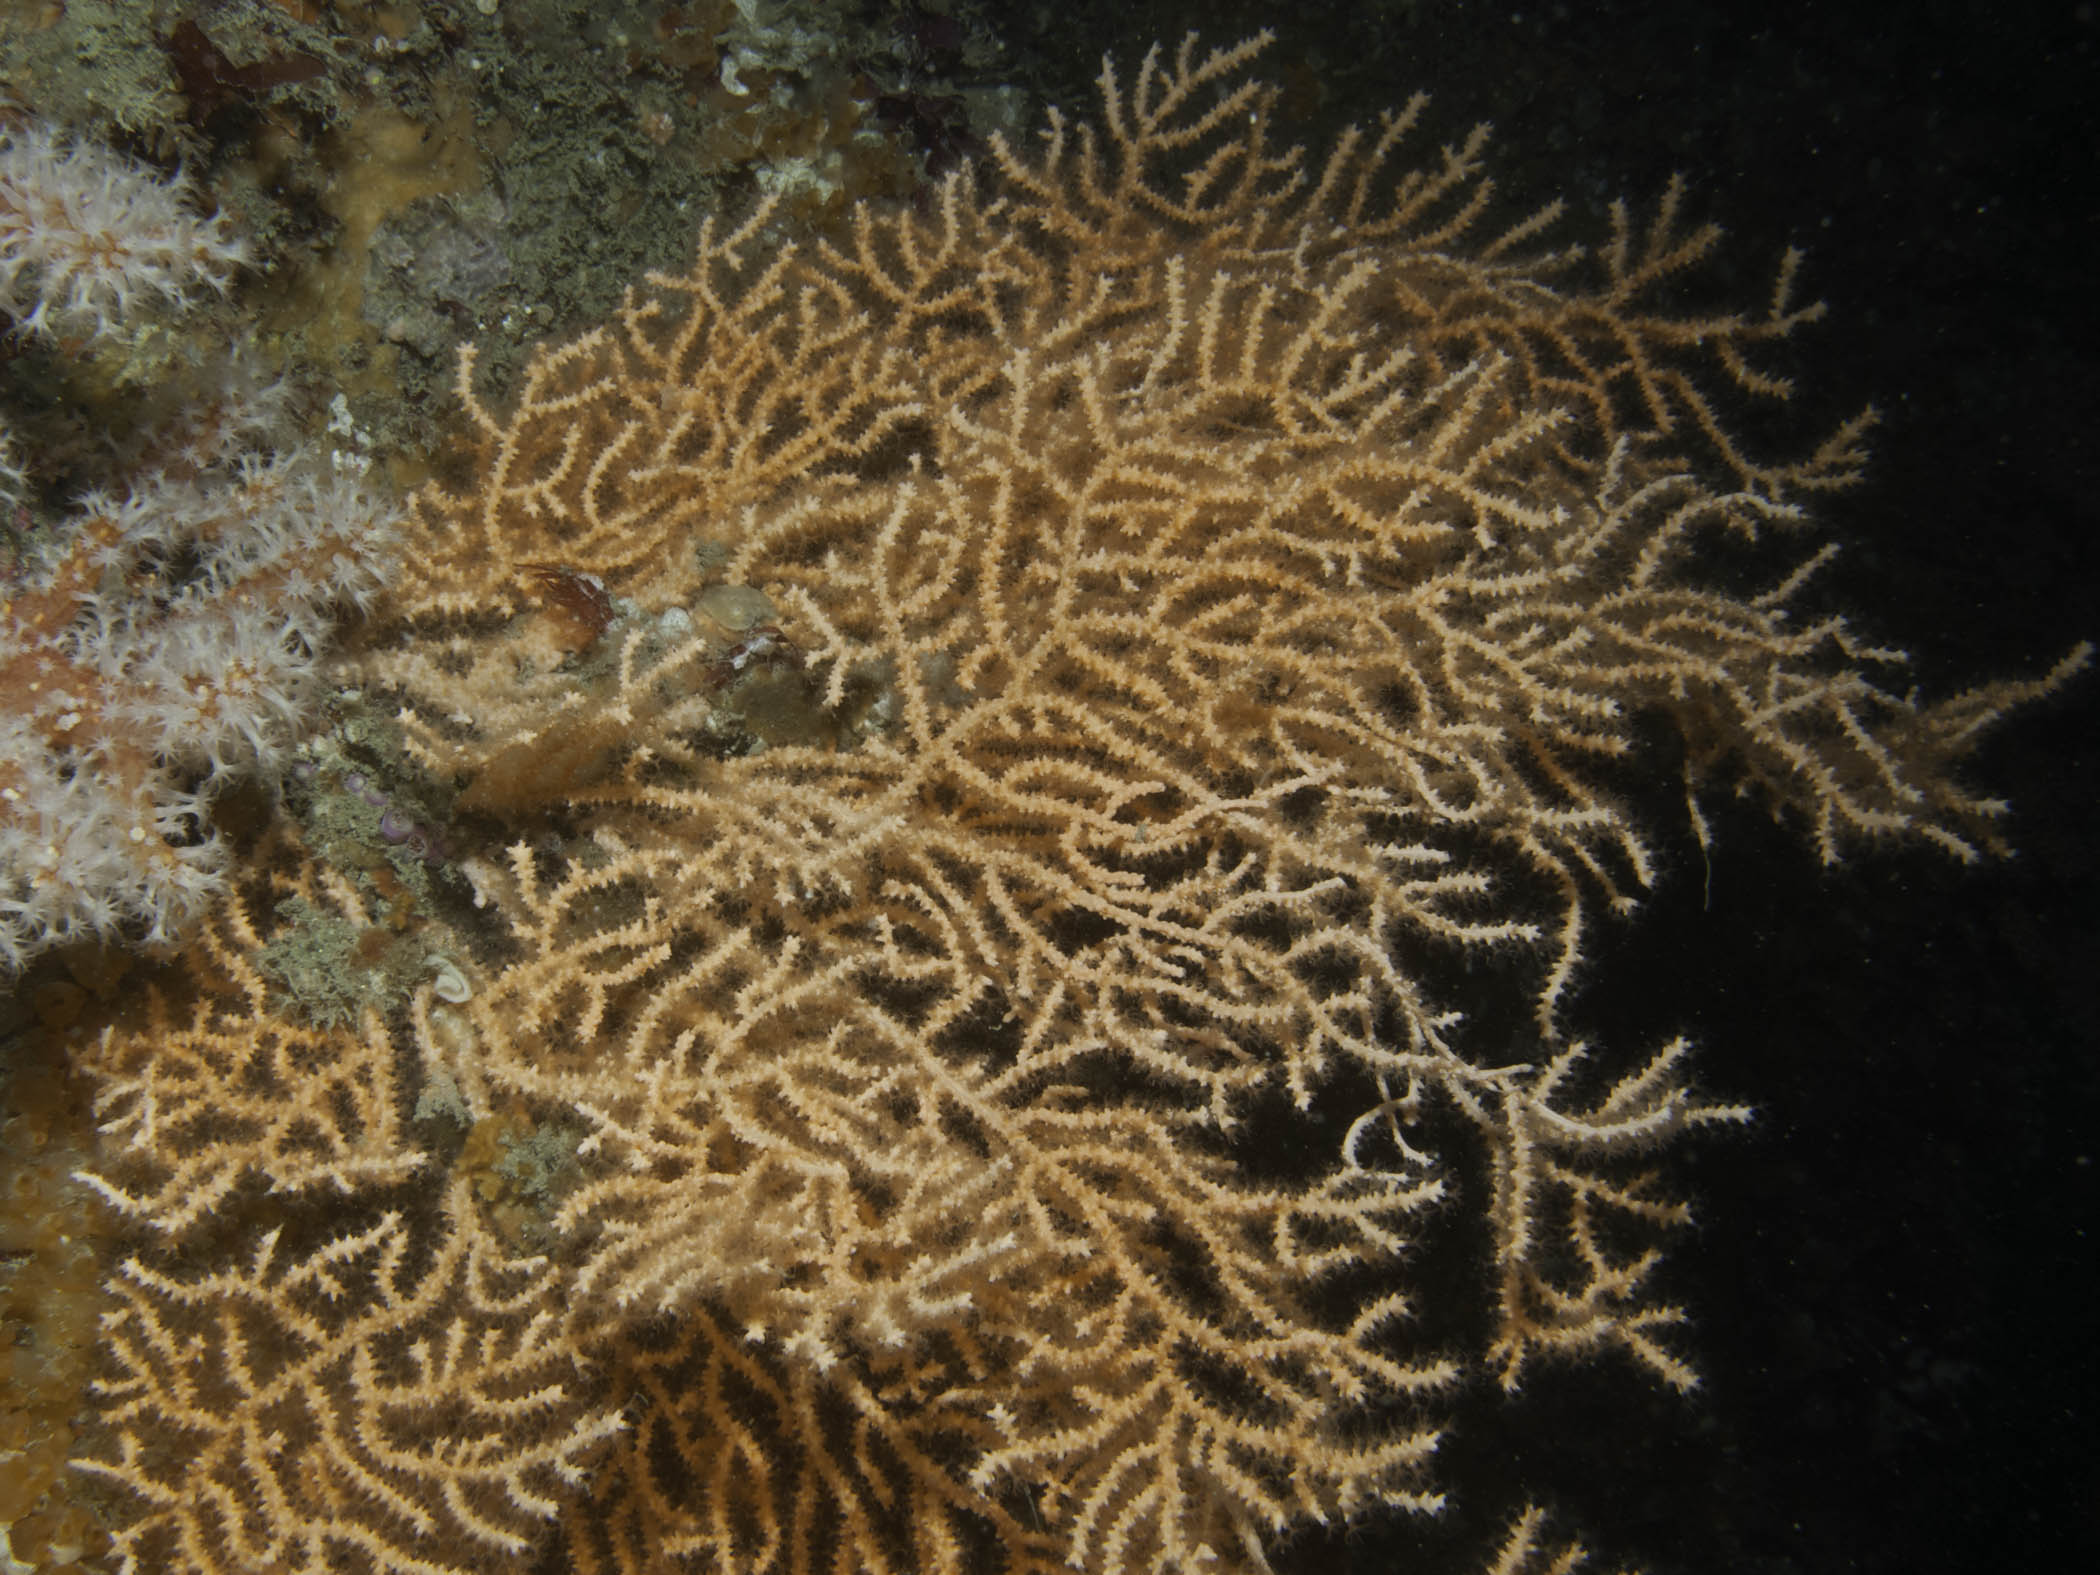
578, 605
764, 646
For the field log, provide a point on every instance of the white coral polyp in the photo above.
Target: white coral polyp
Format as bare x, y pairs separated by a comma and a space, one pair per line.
87, 238
162, 641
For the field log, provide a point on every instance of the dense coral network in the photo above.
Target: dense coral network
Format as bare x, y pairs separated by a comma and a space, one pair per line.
950, 736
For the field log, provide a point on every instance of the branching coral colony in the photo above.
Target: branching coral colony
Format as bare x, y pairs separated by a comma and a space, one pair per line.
947, 727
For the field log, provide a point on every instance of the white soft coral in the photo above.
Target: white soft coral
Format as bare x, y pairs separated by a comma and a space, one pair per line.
87, 237
169, 645
163, 639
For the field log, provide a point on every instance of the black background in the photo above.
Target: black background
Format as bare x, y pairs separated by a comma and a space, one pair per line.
1893, 1277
